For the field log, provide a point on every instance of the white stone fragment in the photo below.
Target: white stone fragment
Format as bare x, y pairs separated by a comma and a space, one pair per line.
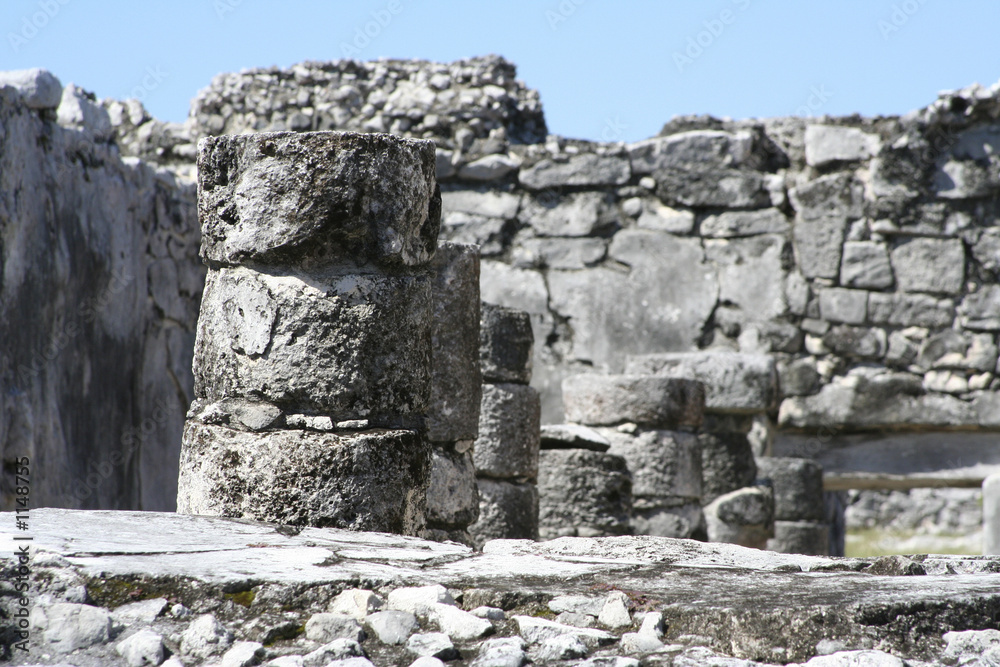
243, 654
614, 614
356, 602
143, 648
416, 599
460, 625
205, 636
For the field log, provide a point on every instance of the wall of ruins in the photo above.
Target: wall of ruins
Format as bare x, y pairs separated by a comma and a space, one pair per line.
863, 253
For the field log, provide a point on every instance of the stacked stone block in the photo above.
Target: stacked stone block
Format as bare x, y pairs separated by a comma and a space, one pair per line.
647, 479
313, 353
456, 389
799, 509
506, 451
739, 388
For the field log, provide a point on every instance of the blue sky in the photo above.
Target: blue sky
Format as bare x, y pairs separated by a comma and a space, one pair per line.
605, 70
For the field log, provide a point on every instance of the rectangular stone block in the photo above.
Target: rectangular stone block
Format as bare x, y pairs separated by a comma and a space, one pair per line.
347, 347
683, 521
507, 511
326, 197
584, 169
452, 494
371, 480
509, 432
734, 382
583, 494
843, 305
798, 487
456, 380
607, 400
910, 310
727, 463
744, 517
663, 464
929, 265
831, 143
800, 537
505, 344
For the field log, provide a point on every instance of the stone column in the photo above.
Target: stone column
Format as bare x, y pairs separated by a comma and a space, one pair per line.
642, 471
991, 514
313, 354
456, 390
799, 512
506, 451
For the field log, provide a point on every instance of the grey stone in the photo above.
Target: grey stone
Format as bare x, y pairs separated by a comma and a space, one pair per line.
662, 303
843, 305
991, 514
731, 224
243, 654
577, 214
489, 203
614, 612
505, 344
856, 342
356, 602
500, 652
444, 166
751, 273
680, 150
921, 310
929, 265
494, 614
980, 310
609, 661
573, 436
663, 464
452, 494
509, 424
392, 626
684, 521
326, 627
800, 537
351, 662
582, 493
537, 630
798, 487
658, 217
818, 245
560, 647
830, 143
727, 463
665, 402
507, 510
67, 626
583, 169
986, 250
490, 234
320, 196
799, 377
971, 646
348, 347
966, 179
205, 636
373, 480
488, 168
734, 382
744, 517
832, 196
577, 604
704, 187
874, 658
145, 647
39, 88
338, 649
456, 378
433, 644
76, 110
559, 253
865, 264
417, 599
458, 624
143, 612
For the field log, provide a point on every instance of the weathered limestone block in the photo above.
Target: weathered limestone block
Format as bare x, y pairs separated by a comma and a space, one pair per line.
509, 423
583, 494
918, 310
751, 274
727, 460
929, 265
663, 464
734, 382
346, 346
865, 264
456, 379
322, 196
830, 143
578, 214
729, 188
583, 169
856, 342
452, 494
980, 310
39, 88
730, 224
684, 521
573, 436
606, 400
991, 514
680, 150
837, 304
507, 510
800, 537
505, 344
744, 517
798, 487
373, 480
559, 253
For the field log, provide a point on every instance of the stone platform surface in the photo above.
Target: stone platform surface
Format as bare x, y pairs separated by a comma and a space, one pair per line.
264, 585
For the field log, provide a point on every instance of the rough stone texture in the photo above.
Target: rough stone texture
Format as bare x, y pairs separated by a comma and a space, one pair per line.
991, 514
663, 464
507, 446
929, 265
865, 264
38, 88
733, 382
685, 521
727, 461
598, 400
829, 143
745, 603
507, 510
456, 378
744, 517
797, 485
452, 495
505, 344
374, 480
573, 436
800, 537
326, 197
582, 493
354, 346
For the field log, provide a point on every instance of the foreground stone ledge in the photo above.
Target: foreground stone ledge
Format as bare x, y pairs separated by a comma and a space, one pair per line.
752, 604
323, 196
